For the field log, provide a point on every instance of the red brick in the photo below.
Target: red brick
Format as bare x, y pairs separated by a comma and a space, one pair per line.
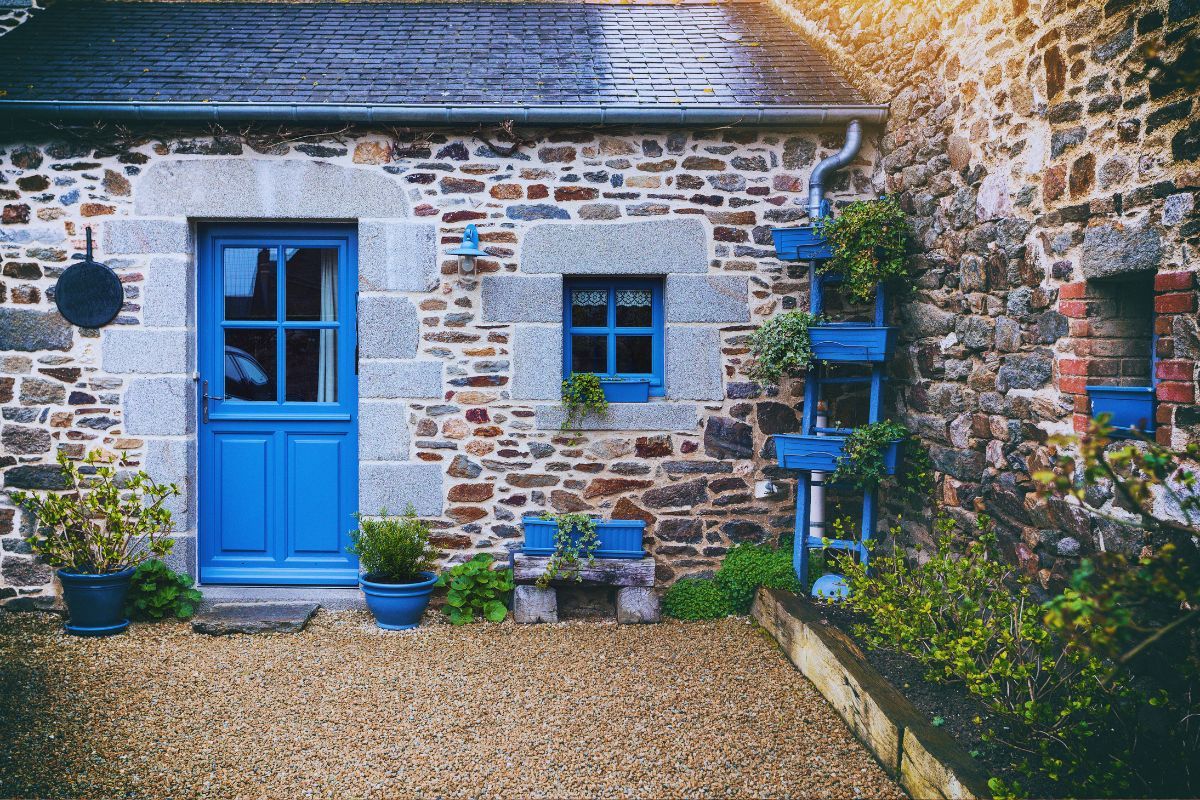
1073, 308
1073, 385
1173, 392
1072, 291
1072, 366
1177, 370
1081, 422
1173, 281
1177, 303
1162, 436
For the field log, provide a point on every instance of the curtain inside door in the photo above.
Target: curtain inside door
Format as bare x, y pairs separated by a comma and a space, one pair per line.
327, 358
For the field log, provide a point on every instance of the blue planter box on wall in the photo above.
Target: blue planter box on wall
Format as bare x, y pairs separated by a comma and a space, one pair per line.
821, 453
632, 390
850, 341
800, 244
1130, 406
619, 538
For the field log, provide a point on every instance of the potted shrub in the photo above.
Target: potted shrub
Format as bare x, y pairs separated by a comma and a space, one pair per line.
96, 533
396, 567
869, 240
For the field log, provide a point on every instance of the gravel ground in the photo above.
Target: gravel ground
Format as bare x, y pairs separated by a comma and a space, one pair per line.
577, 709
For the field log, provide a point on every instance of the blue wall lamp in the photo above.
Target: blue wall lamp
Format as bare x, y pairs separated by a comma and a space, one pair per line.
468, 251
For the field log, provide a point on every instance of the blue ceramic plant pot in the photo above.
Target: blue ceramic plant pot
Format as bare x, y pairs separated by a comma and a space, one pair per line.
619, 538
800, 244
632, 390
398, 606
95, 603
850, 341
822, 453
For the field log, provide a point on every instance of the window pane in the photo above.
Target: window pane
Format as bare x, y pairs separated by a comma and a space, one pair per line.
589, 308
311, 366
249, 280
250, 364
589, 354
634, 354
634, 308
311, 291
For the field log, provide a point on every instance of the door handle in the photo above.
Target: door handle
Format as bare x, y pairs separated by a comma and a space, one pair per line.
204, 398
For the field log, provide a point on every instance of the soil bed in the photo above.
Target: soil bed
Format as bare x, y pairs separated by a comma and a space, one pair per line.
963, 715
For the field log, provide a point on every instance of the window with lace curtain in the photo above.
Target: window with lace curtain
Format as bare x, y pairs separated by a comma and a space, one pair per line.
614, 328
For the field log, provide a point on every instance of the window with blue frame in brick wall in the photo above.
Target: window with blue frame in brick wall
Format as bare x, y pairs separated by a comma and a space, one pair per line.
614, 328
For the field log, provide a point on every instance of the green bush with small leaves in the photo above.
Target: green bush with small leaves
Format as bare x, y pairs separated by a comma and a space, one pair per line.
696, 598
870, 245
747, 567
476, 590
393, 549
157, 592
582, 394
781, 347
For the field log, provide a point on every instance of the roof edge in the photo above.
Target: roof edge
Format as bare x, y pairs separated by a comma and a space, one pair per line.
683, 114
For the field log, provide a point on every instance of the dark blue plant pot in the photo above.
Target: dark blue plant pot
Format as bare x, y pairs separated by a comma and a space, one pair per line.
398, 606
822, 453
619, 538
1131, 407
626, 391
95, 603
850, 341
801, 243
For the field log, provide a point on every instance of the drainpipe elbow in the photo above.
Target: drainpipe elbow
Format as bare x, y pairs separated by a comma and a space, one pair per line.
816, 180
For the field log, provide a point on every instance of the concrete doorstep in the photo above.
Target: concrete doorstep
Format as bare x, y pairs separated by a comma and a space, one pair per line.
925, 760
222, 619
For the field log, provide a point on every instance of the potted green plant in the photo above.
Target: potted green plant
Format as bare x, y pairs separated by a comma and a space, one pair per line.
582, 394
96, 533
396, 567
782, 347
869, 241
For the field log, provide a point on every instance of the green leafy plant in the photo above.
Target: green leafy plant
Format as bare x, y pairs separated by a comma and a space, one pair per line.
696, 598
157, 592
575, 542
781, 347
582, 394
747, 567
106, 521
870, 242
862, 463
393, 549
476, 590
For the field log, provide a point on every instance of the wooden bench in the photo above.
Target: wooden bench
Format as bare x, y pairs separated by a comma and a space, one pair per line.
636, 600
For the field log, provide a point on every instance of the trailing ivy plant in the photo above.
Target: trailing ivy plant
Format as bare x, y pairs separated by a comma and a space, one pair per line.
870, 243
157, 592
782, 347
862, 463
106, 520
476, 590
575, 543
582, 394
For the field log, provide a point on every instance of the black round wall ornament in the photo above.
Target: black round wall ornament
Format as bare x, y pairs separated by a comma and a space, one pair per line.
88, 293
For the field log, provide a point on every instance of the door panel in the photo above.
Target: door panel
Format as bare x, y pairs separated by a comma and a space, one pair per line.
279, 396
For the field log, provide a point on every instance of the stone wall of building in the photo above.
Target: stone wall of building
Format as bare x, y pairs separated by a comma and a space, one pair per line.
1041, 149
459, 376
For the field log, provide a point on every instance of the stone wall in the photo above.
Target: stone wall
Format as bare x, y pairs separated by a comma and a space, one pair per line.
1041, 149
459, 377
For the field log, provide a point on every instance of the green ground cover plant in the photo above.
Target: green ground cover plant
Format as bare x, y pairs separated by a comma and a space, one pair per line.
475, 589
158, 592
745, 568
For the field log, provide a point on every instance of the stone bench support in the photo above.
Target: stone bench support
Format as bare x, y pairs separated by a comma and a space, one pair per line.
636, 600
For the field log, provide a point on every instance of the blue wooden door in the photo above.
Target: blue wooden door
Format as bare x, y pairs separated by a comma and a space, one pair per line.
278, 400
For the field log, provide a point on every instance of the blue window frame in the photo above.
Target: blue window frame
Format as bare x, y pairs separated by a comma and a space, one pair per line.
614, 328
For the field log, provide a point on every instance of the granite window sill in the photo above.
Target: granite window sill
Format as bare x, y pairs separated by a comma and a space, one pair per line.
656, 415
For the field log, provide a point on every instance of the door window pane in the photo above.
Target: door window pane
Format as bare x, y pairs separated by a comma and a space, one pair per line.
634, 309
311, 366
589, 308
634, 354
250, 364
311, 290
589, 354
249, 283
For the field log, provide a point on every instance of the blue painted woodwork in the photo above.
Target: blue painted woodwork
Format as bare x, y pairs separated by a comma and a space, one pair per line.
850, 341
821, 453
632, 390
1131, 407
800, 243
619, 538
278, 477
657, 385
95, 603
398, 606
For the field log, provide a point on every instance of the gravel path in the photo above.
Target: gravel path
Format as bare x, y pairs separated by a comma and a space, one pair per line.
581, 709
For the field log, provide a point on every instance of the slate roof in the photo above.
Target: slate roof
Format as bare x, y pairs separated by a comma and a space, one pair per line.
706, 55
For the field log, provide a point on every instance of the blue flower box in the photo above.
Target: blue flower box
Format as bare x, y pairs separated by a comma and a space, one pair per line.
822, 453
619, 538
800, 244
1131, 407
850, 341
626, 390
